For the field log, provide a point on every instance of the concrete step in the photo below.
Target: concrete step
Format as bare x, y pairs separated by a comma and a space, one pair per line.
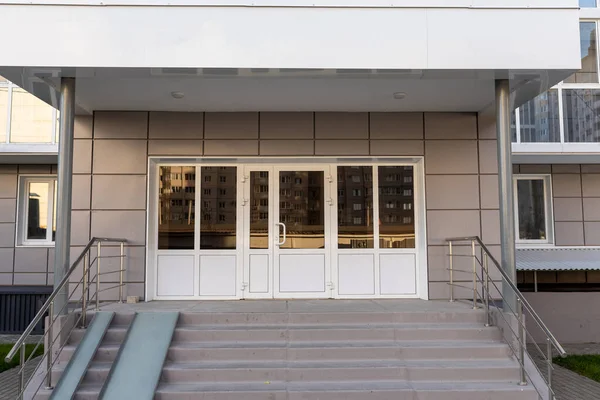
466, 316
201, 333
357, 390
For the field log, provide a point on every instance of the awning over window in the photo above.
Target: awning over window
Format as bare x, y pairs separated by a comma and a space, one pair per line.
558, 259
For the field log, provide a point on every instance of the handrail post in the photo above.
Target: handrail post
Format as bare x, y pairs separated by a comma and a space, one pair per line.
22, 372
474, 274
521, 326
121, 273
98, 276
451, 270
486, 271
49, 349
549, 361
84, 290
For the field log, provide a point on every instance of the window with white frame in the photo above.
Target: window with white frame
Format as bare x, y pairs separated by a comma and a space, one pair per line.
569, 112
533, 209
37, 211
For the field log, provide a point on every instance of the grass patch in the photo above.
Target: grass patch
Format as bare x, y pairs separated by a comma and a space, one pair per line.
5, 348
586, 365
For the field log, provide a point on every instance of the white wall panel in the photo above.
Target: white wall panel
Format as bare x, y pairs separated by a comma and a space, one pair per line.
356, 274
217, 275
397, 274
175, 275
302, 273
259, 273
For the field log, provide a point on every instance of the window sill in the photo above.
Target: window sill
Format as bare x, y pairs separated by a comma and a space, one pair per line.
27, 245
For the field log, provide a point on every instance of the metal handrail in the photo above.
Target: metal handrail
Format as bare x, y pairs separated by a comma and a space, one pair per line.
38, 317
52, 347
522, 334
515, 290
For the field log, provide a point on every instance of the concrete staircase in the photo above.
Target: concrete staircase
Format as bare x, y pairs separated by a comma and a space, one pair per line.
424, 355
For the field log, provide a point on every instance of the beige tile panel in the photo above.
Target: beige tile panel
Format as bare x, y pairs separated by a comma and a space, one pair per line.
80, 228
120, 157
231, 147
225, 125
566, 168
452, 192
340, 125
7, 210
438, 260
6, 260
130, 225
84, 125
82, 156
488, 157
286, 147
134, 263
566, 185
175, 147
31, 259
6, 279
120, 125
450, 126
82, 185
535, 169
7, 235
342, 147
568, 233
591, 185
568, 209
287, 125
488, 185
490, 226
176, 125
451, 157
8, 186
591, 209
35, 168
397, 147
441, 291
396, 125
592, 233
119, 192
486, 123
451, 223
30, 279
590, 168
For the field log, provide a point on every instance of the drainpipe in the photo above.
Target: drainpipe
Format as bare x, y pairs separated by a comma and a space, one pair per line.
505, 186
62, 242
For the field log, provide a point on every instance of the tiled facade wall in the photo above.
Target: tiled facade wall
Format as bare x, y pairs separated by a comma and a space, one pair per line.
111, 150
576, 200
20, 265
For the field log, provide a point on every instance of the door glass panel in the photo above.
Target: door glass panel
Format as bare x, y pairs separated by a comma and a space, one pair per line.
218, 208
301, 209
176, 218
396, 207
355, 207
259, 210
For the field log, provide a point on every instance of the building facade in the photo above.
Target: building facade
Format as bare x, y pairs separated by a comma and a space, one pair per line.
257, 173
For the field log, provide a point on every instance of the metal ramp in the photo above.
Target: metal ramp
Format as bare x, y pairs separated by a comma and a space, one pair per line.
138, 367
79, 363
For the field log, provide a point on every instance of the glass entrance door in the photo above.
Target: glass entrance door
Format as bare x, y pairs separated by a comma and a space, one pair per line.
286, 238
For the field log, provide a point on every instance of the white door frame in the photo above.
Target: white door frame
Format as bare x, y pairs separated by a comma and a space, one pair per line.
243, 163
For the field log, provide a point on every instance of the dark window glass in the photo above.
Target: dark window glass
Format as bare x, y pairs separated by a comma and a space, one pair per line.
219, 210
176, 209
589, 70
531, 209
355, 213
581, 112
396, 210
259, 210
538, 119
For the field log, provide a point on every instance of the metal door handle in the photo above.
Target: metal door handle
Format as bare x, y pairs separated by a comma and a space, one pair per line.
278, 243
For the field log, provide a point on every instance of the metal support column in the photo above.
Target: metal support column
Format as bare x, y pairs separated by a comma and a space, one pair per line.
505, 186
63, 197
